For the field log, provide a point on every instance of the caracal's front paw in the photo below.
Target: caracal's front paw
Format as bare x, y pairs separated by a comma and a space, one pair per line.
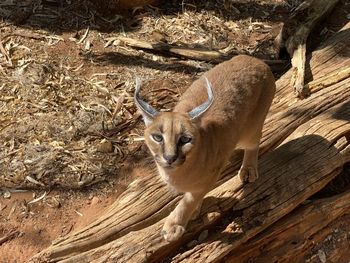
248, 174
172, 232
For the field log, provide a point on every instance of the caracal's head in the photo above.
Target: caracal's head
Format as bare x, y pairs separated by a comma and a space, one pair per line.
172, 136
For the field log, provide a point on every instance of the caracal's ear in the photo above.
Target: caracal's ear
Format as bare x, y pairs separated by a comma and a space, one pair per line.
147, 111
198, 111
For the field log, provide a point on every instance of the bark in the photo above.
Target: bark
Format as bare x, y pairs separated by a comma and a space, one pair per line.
333, 240
311, 154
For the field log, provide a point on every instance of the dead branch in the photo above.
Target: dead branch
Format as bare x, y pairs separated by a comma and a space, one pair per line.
8, 236
186, 52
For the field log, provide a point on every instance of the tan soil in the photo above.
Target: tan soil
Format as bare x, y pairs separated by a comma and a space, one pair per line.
38, 224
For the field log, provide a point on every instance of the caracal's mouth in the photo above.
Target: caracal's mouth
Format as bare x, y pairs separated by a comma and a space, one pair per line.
170, 166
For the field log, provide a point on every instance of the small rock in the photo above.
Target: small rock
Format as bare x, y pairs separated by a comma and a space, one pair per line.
52, 202
95, 200
105, 146
7, 194
203, 236
87, 45
322, 256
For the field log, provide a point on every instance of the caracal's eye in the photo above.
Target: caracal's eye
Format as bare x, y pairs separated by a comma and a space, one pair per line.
185, 139
157, 137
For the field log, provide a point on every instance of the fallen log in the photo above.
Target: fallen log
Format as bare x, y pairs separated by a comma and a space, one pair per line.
211, 56
294, 34
186, 52
290, 239
124, 233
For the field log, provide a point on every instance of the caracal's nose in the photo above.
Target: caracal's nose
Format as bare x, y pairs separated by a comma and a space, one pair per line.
170, 158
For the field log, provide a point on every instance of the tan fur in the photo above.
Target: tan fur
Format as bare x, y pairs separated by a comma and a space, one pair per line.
243, 89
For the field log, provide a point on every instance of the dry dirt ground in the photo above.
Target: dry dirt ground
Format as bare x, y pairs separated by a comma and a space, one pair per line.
70, 137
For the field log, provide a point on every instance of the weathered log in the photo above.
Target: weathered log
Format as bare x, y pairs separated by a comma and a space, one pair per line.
211, 56
148, 201
294, 35
186, 52
289, 239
